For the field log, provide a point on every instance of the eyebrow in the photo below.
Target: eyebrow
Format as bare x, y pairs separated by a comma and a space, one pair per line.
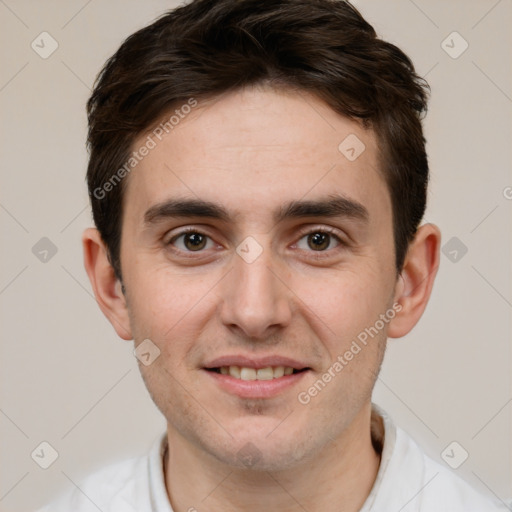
331, 206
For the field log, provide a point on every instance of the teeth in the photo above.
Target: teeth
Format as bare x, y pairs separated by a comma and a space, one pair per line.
234, 371
268, 373
265, 374
247, 373
279, 371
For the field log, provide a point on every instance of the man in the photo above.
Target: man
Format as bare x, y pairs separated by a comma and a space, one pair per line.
258, 177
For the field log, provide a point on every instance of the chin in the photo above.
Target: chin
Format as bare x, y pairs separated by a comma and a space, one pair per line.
252, 457
262, 449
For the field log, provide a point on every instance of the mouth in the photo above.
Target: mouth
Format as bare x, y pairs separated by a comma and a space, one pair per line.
263, 378
248, 373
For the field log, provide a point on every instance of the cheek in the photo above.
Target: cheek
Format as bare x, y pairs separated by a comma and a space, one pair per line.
164, 302
163, 383
342, 303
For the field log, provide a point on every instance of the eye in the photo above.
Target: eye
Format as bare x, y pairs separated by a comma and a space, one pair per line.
191, 241
319, 240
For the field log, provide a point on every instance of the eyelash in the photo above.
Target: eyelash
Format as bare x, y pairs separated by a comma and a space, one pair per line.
325, 230
317, 254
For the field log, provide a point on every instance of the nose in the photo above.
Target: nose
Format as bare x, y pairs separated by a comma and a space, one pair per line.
256, 300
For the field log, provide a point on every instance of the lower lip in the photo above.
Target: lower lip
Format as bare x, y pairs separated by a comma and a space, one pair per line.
256, 388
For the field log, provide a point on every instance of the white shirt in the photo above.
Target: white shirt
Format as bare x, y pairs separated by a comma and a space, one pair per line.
407, 481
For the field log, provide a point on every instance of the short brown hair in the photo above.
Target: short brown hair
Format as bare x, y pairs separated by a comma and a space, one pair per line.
209, 47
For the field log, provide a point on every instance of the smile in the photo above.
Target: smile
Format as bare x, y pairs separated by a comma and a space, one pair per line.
256, 383
246, 373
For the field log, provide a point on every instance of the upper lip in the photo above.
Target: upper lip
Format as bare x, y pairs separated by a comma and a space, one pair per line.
253, 362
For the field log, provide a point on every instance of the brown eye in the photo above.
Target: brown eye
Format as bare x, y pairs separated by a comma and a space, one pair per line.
318, 241
191, 241
194, 241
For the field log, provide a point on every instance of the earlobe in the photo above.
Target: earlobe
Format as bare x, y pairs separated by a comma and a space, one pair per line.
416, 280
108, 290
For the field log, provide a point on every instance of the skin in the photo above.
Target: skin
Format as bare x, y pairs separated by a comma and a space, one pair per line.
253, 151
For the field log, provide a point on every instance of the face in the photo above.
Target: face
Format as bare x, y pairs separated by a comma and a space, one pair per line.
252, 247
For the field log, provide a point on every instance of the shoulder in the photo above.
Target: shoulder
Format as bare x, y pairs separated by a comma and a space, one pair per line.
439, 489
124, 486
410, 481
102, 489
447, 491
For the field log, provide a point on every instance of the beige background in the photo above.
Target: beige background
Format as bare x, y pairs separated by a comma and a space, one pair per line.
65, 377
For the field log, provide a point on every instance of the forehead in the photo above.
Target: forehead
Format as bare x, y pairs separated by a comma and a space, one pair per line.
255, 149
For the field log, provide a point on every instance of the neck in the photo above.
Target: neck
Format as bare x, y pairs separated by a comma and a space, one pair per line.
338, 479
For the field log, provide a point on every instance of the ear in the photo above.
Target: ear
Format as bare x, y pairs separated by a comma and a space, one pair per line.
416, 280
107, 288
